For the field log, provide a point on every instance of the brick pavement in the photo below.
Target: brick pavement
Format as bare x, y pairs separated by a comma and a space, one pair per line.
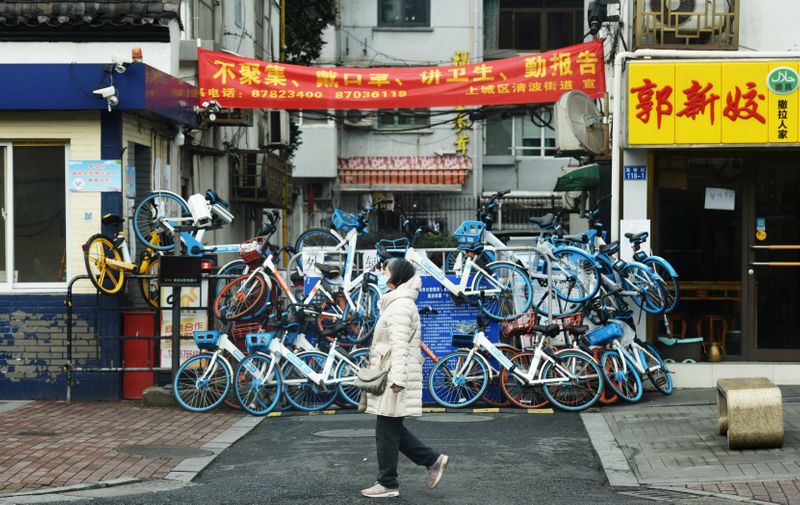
85, 437
678, 445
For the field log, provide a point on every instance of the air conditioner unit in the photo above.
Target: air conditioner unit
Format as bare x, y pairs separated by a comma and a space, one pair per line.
359, 119
687, 15
274, 130
234, 117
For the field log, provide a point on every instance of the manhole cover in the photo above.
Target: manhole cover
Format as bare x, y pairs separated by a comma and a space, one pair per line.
348, 433
164, 451
36, 433
455, 418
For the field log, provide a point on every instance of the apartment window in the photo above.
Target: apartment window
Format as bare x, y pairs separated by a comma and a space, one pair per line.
32, 200
520, 136
539, 25
404, 13
404, 118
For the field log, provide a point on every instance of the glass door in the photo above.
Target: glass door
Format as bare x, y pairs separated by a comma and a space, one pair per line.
774, 267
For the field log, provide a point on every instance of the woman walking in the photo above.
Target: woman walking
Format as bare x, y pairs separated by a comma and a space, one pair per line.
398, 332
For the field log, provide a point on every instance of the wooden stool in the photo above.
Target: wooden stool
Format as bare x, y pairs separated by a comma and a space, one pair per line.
713, 328
677, 319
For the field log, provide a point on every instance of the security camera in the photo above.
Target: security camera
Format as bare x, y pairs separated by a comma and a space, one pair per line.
106, 92
120, 62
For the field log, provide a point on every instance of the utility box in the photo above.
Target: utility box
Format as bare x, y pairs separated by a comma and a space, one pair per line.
138, 353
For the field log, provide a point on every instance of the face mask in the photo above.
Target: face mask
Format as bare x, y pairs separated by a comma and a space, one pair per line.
383, 287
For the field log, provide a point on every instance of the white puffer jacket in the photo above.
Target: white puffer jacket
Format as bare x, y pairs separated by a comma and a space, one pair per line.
398, 329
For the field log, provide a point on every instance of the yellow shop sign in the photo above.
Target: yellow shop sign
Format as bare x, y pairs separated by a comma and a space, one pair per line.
713, 103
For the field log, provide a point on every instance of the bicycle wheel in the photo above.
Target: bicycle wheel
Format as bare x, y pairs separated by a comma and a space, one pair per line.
152, 212
608, 397
525, 396
579, 389
662, 268
202, 382
575, 275
457, 380
107, 278
652, 291
367, 313
516, 292
258, 384
315, 237
347, 391
301, 391
242, 297
236, 268
620, 374
149, 286
660, 377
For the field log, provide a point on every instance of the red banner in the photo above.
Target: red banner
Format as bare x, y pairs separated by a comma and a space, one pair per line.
245, 83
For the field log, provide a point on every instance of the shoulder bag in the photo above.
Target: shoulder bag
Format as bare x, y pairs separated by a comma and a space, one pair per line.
373, 379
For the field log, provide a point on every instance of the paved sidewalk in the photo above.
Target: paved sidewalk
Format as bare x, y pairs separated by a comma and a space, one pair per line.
673, 441
50, 444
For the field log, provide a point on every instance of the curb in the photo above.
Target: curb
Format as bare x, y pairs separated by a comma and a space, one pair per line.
189, 468
615, 464
699, 492
425, 410
75, 487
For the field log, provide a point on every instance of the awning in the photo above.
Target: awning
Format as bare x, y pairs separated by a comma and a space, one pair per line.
411, 173
579, 179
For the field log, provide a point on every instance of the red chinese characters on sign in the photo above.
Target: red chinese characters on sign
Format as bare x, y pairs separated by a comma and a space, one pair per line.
697, 98
735, 110
739, 104
238, 82
645, 93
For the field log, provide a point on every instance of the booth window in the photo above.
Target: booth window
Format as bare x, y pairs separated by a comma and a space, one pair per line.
404, 13
36, 222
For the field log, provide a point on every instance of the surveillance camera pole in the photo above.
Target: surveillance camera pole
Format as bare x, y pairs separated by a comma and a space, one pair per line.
176, 313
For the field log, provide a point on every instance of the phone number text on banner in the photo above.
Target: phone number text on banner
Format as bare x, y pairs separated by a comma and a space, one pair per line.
238, 82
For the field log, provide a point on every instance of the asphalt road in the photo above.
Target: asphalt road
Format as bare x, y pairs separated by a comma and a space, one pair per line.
504, 459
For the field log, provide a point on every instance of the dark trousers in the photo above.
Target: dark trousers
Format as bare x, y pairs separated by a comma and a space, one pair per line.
391, 438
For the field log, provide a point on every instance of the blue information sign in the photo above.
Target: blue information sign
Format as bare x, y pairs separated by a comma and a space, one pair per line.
437, 328
635, 173
95, 175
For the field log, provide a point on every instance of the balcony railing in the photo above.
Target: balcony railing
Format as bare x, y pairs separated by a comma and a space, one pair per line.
259, 178
694, 24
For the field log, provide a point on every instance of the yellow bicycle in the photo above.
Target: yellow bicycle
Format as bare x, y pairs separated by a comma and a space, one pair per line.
108, 261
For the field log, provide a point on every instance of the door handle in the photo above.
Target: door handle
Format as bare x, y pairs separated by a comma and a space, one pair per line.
750, 272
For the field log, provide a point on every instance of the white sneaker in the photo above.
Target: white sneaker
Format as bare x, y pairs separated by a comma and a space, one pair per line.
378, 491
436, 470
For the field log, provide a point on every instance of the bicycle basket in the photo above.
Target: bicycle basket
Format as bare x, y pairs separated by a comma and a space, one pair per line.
605, 335
240, 329
464, 335
523, 325
252, 252
258, 342
206, 340
392, 248
470, 233
575, 319
343, 221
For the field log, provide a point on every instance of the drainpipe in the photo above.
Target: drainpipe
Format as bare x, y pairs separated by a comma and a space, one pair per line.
477, 40
675, 54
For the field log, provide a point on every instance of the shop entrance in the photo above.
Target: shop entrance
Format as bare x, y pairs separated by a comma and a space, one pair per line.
728, 222
773, 237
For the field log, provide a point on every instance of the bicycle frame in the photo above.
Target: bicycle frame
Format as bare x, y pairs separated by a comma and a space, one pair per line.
456, 289
334, 357
224, 346
635, 358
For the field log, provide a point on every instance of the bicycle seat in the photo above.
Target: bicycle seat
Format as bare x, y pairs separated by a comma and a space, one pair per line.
577, 330
611, 248
214, 198
548, 330
112, 220
637, 237
329, 271
545, 221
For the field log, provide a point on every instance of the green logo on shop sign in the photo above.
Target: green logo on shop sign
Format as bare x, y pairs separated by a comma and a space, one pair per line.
783, 80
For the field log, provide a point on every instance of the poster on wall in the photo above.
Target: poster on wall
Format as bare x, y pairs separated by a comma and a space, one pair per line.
720, 199
84, 176
191, 320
